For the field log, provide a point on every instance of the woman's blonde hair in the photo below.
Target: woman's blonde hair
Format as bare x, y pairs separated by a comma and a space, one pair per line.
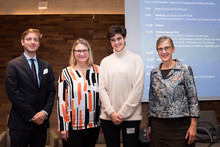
82, 41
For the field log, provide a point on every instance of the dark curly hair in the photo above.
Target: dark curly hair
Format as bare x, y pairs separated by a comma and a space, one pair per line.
116, 29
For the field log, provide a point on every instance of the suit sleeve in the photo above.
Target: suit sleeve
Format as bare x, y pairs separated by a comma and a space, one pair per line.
15, 95
191, 93
151, 99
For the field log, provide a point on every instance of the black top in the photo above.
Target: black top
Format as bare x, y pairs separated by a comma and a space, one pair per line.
165, 72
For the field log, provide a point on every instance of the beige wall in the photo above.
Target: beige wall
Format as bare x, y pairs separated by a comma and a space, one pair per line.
29, 7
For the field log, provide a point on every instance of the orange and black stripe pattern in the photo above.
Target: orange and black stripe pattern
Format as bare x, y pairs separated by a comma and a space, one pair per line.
78, 101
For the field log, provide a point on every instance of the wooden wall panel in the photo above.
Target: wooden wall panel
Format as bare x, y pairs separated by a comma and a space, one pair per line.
59, 33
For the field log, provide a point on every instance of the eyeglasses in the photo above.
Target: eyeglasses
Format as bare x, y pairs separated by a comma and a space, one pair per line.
166, 48
84, 51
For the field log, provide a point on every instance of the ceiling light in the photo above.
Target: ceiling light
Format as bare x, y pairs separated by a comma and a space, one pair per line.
42, 5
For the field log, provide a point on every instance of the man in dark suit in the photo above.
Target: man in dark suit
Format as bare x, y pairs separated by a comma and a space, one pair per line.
31, 90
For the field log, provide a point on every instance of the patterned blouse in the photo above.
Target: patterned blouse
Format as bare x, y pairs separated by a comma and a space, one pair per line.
78, 101
175, 96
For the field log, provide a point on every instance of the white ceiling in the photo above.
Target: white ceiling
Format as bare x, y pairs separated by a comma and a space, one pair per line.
28, 7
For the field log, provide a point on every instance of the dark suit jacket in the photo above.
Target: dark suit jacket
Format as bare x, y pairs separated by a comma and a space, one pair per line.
26, 97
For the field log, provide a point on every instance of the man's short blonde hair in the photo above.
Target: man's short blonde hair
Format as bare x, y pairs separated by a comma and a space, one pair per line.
40, 35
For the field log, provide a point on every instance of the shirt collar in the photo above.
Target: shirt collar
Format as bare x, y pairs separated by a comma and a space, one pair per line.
177, 66
28, 58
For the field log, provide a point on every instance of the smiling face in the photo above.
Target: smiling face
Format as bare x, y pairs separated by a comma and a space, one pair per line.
81, 53
165, 51
118, 42
31, 44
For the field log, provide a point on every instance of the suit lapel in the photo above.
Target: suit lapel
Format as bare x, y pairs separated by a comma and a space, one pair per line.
40, 74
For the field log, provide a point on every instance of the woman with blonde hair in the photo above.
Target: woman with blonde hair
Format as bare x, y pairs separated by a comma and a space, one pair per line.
78, 98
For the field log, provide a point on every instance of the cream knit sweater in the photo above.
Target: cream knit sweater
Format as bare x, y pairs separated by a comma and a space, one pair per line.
121, 83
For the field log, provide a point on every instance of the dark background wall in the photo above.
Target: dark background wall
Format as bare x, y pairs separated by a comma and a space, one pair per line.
59, 33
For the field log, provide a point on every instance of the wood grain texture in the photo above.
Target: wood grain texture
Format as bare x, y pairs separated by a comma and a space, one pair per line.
59, 33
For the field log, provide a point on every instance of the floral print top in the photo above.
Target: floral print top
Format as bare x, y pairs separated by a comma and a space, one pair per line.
174, 96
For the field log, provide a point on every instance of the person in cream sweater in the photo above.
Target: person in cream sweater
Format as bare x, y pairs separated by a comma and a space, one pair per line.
121, 84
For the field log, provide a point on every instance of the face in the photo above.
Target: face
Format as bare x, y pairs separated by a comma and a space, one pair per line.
118, 42
81, 53
165, 51
30, 43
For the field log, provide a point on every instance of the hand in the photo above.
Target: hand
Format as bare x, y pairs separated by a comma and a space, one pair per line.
191, 132
148, 133
39, 118
116, 118
64, 135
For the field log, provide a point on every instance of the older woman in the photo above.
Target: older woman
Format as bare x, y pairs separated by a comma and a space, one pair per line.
78, 98
173, 101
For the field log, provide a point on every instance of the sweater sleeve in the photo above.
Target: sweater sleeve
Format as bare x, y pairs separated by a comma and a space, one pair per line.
135, 96
103, 93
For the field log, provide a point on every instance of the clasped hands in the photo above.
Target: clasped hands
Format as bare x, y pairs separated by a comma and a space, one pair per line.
116, 118
39, 118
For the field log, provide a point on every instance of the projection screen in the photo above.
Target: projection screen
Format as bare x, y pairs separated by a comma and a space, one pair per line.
194, 27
